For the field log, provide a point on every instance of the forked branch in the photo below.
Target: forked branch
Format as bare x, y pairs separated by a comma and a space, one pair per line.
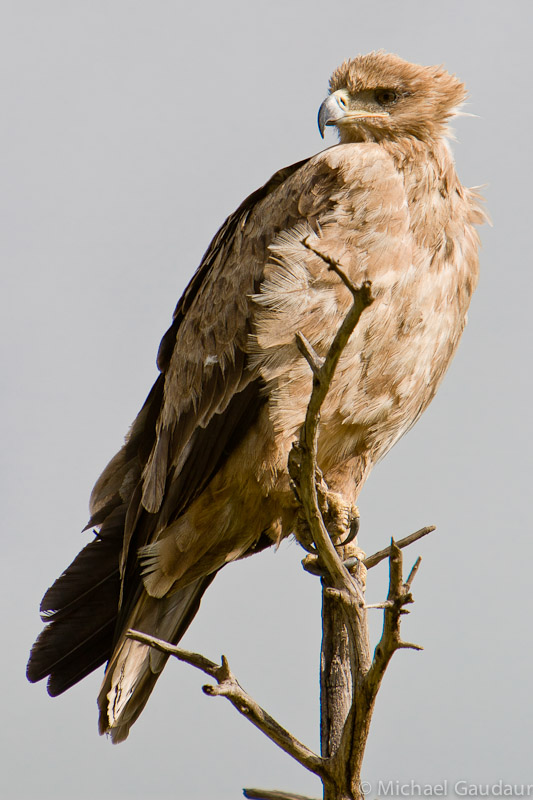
228, 686
345, 724
303, 459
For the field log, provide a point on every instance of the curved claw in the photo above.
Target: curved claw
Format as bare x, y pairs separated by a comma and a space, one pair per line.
354, 530
308, 547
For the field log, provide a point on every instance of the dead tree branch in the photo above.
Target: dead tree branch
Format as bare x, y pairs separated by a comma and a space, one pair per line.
264, 794
229, 687
376, 558
311, 563
346, 659
302, 462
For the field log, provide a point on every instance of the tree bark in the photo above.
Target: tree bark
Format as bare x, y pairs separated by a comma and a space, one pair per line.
335, 675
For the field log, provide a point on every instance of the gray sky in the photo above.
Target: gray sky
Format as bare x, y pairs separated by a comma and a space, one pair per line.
129, 131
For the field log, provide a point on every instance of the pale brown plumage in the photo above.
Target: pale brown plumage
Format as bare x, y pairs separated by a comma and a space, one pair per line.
202, 479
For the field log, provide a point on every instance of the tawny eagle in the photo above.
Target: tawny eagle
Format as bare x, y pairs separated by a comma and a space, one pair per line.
202, 478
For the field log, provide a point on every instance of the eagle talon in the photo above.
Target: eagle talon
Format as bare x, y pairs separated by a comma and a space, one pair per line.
351, 562
308, 546
341, 518
312, 564
354, 530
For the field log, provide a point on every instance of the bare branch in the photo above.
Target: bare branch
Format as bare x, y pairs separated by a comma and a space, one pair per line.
309, 353
265, 794
381, 555
408, 646
194, 659
313, 565
334, 265
345, 764
350, 678
306, 479
229, 687
399, 595
414, 570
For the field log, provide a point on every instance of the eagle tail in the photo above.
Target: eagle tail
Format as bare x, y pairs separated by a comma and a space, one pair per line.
80, 610
134, 668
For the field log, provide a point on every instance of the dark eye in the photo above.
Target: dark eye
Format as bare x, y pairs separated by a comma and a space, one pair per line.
386, 97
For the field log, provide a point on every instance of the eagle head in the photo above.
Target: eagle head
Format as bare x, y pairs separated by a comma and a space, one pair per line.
381, 96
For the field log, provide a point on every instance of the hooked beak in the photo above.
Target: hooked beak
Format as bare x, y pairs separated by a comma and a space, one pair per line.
334, 111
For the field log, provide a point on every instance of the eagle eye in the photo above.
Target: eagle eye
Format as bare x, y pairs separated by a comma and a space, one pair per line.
386, 97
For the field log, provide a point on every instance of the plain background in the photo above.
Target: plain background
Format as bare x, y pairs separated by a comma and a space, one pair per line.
129, 131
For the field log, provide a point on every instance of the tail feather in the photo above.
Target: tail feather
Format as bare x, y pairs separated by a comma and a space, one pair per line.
134, 668
86, 626
81, 610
